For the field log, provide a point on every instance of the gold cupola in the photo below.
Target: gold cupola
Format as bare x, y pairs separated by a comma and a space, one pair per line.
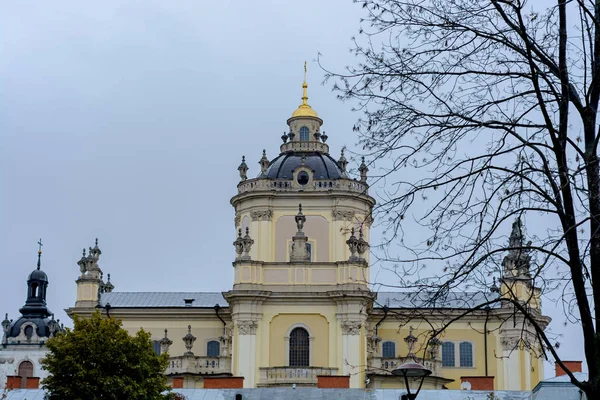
304, 110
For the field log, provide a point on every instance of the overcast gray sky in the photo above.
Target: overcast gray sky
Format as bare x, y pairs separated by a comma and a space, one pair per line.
126, 121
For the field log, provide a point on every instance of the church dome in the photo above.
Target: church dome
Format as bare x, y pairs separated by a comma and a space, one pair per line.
38, 275
323, 166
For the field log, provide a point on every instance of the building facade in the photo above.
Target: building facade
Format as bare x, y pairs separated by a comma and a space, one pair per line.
23, 341
301, 305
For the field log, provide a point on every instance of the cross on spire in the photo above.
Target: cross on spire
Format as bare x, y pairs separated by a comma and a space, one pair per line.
39, 263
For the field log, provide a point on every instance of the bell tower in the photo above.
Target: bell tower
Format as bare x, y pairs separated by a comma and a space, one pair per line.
302, 244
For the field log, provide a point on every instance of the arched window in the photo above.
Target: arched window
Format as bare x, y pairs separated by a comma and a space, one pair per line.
465, 353
34, 291
304, 134
25, 371
388, 350
213, 348
448, 359
299, 348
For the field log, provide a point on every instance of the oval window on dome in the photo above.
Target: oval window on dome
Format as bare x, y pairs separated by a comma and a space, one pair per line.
29, 331
302, 178
304, 134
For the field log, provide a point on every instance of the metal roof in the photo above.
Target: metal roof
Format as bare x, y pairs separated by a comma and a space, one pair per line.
456, 300
312, 394
422, 299
162, 299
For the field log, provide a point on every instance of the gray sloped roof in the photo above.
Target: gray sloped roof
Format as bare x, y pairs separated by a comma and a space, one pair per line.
422, 299
162, 299
312, 394
454, 300
559, 388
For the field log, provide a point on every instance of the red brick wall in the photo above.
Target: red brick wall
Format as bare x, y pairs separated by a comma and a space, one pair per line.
573, 366
177, 383
223, 382
479, 382
13, 382
32, 382
333, 381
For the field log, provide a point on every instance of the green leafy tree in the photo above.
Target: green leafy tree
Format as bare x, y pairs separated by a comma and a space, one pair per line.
98, 359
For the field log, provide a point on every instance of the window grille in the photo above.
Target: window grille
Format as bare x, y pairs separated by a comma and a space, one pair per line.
448, 359
304, 134
299, 348
389, 350
465, 350
213, 348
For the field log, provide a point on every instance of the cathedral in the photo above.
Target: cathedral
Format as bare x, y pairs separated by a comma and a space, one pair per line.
301, 304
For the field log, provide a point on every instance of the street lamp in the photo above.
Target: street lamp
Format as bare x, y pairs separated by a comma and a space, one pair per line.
412, 370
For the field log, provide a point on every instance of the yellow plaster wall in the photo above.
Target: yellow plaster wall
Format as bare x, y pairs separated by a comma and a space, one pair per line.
277, 320
318, 327
457, 332
204, 330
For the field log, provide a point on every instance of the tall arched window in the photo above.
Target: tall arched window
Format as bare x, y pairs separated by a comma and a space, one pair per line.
213, 348
465, 353
304, 136
299, 348
25, 371
448, 354
388, 350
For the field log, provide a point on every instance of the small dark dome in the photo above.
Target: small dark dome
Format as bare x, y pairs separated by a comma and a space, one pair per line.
323, 165
38, 275
40, 323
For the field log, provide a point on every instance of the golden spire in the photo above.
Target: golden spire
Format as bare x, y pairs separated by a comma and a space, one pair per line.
304, 110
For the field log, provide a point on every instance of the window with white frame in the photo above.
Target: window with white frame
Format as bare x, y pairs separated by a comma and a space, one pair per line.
388, 350
465, 352
213, 348
457, 354
304, 134
448, 359
299, 351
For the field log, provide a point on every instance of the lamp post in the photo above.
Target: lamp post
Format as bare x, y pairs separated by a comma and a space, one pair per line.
412, 370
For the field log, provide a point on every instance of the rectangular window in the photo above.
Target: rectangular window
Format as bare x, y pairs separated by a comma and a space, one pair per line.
448, 359
389, 350
465, 350
213, 348
156, 346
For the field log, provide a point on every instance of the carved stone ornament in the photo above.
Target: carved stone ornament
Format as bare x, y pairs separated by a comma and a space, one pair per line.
247, 327
340, 215
237, 220
165, 343
352, 243
351, 327
189, 340
247, 243
239, 245
6, 360
510, 343
261, 215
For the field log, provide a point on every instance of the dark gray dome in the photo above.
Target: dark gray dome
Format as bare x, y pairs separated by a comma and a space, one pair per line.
38, 275
41, 323
323, 166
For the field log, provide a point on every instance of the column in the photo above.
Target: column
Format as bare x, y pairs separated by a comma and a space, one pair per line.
351, 348
510, 361
246, 351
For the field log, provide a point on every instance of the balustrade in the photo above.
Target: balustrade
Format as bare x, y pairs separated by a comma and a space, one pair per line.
199, 365
305, 376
